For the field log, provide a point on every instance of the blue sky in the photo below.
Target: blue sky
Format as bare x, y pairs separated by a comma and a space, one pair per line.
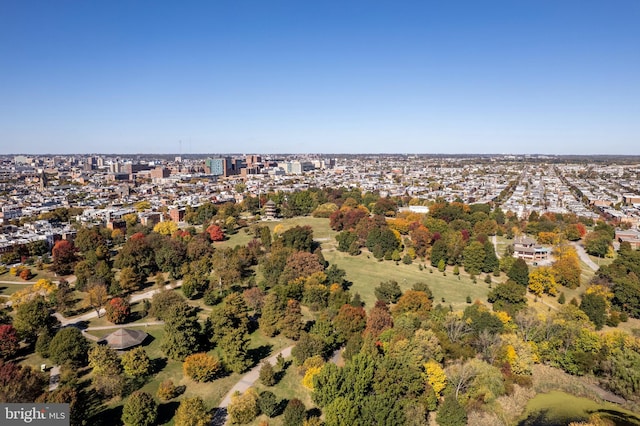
517, 76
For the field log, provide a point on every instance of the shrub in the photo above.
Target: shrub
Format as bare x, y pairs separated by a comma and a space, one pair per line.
201, 367
167, 390
244, 408
294, 413
268, 403
267, 375
140, 410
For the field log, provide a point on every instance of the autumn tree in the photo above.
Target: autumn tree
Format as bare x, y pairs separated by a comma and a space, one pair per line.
64, 257
9, 342
136, 362
414, 303
350, 321
542, 280
140, 409
118, 310
566, 267
162, 301
300, 264
106, 369
215, 233
294, 413
192, 412
379, 320
20, 384
201, 367
97, 297
244, 408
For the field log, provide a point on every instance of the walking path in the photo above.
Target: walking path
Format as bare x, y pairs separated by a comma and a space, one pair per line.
220, 417
585, 257
54, 378
134, 298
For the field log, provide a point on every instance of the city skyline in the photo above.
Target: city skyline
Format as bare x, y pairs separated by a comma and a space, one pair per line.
492, 78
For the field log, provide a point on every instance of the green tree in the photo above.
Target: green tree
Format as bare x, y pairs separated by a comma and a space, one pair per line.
162, 301
140, 410
508, 297
519, 272
182, 332
267, 374
136, 362
597, 243
192, 412
595, 306
291, 322
451, 413
491, 261
268, 403
106, 368
32, 317
272, 314
229, 315
69, 346
235, 350
388, 291
474, 257
294, 413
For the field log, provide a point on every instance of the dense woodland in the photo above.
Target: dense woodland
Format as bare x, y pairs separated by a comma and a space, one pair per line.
407, 348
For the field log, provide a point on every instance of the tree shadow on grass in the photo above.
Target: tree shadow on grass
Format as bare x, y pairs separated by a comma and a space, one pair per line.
617, 417
543, 418
259, 353
158, 364
166, 412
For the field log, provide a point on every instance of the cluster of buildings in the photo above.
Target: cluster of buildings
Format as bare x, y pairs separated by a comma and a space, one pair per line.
106, 187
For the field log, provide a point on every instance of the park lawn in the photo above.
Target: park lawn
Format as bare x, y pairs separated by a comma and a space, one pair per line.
366, 273
289, 387
321, 230
9, 289
136, 315
560, 408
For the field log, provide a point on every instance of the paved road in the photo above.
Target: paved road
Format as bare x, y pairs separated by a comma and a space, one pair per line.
585, 257
220, 417
134, 298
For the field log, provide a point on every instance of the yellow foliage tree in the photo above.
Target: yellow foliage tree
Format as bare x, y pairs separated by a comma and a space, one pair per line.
142, 206
549, 238
279, 229
518, 354
45, 286
165, 228
604, 292
542, 280
435, 376
566, 268
307, 380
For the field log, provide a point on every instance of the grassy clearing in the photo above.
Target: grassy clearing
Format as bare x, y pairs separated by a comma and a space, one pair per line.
289, 387
559, 408
366, 273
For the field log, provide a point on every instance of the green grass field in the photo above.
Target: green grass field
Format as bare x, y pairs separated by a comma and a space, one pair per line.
560, 408
366, 273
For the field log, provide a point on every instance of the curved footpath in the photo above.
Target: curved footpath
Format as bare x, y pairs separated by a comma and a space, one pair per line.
220, 416
585, 257
134, 298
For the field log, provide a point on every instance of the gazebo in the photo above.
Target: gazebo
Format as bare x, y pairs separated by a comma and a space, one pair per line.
124, 338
